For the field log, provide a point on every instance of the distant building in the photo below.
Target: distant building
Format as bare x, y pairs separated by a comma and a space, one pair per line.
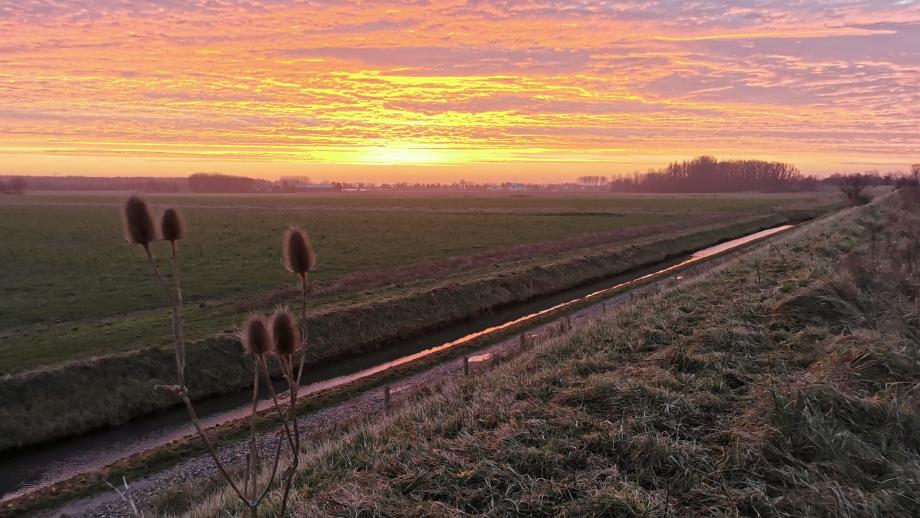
302, 187
303, 184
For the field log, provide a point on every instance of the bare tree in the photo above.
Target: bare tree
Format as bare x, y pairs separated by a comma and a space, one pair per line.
853, 187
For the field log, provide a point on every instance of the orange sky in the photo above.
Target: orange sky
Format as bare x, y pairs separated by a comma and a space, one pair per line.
442, 90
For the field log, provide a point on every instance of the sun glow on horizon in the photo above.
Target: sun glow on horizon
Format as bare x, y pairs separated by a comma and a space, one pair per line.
400, 154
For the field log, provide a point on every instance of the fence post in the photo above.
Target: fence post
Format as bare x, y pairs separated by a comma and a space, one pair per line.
386, 399
466, 365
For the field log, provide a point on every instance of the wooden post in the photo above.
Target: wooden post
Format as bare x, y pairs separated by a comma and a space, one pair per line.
466, 365
524, 341
386, 399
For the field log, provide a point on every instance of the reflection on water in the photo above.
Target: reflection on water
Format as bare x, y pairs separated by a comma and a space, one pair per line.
41, 466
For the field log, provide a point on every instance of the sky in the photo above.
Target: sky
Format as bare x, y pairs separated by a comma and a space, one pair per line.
436, 90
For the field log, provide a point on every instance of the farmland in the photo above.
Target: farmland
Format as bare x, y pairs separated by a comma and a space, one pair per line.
72, 288
88, 313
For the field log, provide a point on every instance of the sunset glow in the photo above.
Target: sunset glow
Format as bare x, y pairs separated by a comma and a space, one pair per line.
450, 89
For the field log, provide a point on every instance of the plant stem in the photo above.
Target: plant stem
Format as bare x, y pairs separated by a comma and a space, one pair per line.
294, 387
197, 424
295, 460
177, 326
287, 433
303, 325
251, 466
180, 362
271, 390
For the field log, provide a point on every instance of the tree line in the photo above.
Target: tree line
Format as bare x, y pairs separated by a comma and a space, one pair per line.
708, 174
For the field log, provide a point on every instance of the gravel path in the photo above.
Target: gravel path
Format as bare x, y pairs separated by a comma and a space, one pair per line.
327, 420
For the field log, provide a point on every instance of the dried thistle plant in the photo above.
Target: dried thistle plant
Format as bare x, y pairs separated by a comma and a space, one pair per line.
172, 228
299, 256
285, 336
255, 337
279, 337
140, 229
286, 340
257, 342
138, 223
300, 259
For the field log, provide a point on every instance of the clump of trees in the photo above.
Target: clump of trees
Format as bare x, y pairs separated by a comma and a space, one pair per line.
592, 181
279, 340
15, 185
897, 180
708, 174
220, 183
854, 186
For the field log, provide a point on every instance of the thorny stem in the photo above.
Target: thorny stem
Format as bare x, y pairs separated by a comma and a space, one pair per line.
271, 390
303, 325
178, 323
252, 465
294, 387
175, 304
287, 433
273, 473
197, 424
180, 363
295, 459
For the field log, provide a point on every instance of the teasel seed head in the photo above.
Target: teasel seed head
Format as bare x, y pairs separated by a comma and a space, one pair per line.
139, 227
172, 226
299, 256
257, 339
285, 334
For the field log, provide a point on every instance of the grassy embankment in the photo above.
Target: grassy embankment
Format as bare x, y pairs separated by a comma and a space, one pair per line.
783, 385
42, 405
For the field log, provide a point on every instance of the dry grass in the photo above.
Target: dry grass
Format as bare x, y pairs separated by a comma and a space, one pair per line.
784, 385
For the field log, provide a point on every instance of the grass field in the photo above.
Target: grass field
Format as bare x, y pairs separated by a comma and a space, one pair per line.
86, 269
783, 385
72, 288
460, 202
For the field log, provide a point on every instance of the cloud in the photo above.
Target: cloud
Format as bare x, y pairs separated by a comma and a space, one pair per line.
456, 61
512, 80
